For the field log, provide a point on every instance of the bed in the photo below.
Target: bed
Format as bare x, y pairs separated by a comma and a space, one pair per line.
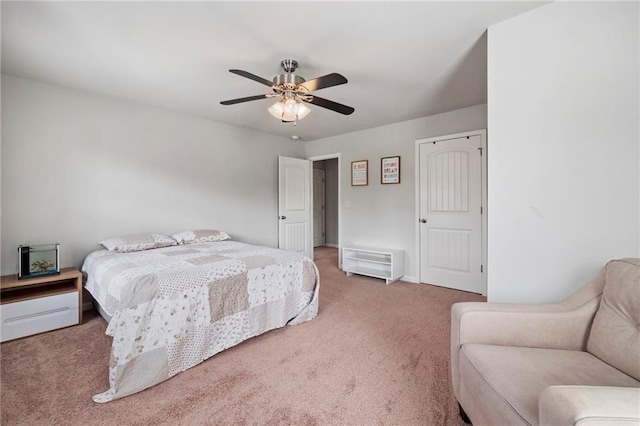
173, 307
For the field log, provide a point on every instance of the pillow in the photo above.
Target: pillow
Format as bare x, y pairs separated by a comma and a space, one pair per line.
137, 242
200, 236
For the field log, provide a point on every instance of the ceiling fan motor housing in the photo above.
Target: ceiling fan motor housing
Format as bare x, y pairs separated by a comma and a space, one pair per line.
288, 78
288, 81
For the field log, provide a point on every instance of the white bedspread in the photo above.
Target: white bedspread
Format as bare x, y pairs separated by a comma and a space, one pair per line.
174, 307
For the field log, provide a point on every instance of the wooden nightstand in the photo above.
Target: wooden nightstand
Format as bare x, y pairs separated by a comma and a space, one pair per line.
35, 305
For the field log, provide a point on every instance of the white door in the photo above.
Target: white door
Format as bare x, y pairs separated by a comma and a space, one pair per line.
450, 213
318, 208
294, 205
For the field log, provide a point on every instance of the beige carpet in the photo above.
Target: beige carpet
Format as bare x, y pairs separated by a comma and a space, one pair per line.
376, 354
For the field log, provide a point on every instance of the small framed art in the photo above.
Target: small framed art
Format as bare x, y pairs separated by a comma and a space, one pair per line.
390, 170
360, 173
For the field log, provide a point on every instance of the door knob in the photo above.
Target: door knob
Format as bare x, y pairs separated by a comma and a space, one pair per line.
423, 220
283, 217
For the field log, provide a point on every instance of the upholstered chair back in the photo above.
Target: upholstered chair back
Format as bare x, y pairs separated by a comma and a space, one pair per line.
615, 333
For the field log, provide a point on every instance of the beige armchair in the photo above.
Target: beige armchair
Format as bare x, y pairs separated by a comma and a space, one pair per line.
568, 363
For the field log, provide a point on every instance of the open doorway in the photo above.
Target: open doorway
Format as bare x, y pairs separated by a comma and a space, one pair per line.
326, 221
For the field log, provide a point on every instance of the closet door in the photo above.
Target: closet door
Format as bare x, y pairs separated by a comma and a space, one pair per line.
450, 213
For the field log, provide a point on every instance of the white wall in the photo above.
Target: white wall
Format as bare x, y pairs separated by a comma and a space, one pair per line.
383, 215
78, 168
563, 158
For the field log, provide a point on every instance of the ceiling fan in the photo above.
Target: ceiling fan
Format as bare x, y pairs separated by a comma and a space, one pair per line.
294, 91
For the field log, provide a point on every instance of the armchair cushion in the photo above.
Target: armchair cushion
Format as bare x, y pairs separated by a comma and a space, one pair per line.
589, 405
509, 379
615, 333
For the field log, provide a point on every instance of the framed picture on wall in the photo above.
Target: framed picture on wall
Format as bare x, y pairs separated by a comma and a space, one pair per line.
390, 169
360, 173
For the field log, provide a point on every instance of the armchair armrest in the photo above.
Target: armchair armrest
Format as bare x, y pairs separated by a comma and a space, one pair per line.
538, 326
589, 405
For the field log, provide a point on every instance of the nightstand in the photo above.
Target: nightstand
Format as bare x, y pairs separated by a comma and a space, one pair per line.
35, 305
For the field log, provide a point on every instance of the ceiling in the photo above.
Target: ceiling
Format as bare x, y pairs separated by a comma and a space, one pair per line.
403, 60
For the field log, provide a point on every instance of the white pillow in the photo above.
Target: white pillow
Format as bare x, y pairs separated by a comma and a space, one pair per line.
129, 243
200, 236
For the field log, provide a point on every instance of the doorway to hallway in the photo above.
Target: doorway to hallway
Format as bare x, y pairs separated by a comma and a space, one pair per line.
326, 205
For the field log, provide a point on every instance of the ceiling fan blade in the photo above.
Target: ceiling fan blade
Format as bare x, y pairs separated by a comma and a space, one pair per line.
247, 99
333, 106
252, 77
329, 80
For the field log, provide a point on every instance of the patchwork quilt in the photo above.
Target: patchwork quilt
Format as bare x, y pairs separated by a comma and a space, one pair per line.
174, 307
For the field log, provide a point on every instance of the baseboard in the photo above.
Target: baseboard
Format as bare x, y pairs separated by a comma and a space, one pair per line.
87, 306
331, 245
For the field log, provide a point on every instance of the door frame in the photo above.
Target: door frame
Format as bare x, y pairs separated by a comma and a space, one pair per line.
483, 183
323, 220
331, 157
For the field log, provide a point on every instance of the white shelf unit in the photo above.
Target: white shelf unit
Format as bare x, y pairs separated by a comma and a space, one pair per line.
374, 262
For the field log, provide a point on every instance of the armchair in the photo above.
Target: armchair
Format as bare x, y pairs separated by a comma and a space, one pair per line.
567, 363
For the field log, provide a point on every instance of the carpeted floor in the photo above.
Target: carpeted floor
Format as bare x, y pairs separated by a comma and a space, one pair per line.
376, 354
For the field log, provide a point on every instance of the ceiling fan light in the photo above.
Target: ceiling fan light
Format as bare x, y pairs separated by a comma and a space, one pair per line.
277, 110
289, 110
303, 111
